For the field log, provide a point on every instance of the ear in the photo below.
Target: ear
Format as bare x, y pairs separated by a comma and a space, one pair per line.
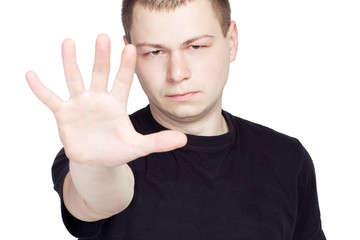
125, 40
232, 37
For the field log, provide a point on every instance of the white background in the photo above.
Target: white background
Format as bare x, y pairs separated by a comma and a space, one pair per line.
297, 71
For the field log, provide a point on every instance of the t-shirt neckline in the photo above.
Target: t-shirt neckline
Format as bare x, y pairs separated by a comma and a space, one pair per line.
202, 143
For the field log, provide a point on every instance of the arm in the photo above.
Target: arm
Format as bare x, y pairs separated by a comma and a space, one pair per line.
111, 190
308, 222
97, 134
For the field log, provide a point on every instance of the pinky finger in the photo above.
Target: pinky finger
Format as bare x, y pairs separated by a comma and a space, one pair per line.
45, 95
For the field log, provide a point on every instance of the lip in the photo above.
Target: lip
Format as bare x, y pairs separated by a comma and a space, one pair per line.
183, 97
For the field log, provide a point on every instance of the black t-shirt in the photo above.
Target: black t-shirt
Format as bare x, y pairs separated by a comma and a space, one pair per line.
250, 183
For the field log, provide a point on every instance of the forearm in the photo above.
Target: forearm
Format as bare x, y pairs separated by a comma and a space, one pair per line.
93, 192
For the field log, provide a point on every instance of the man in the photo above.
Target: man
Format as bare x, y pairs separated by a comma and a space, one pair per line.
180, 168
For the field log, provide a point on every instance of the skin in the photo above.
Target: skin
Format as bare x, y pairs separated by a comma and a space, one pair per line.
192, 65
184, 94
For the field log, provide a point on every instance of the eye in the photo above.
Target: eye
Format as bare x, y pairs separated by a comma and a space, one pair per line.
155, 53
195, 47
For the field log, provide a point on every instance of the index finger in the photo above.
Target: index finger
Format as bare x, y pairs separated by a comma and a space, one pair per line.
125, 74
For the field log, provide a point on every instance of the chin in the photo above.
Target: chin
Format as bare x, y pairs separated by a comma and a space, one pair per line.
186, 112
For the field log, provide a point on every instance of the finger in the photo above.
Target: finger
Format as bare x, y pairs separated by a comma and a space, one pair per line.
72, 73
45, 95
101, 69
163, 141
125, 74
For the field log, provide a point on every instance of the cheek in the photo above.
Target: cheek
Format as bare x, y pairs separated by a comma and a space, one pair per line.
221, 65
151, 76
212, 70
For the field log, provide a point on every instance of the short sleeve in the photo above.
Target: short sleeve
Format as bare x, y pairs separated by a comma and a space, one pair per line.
75, 226
308, 221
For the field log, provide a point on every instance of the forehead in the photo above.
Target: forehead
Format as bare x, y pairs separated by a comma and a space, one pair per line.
174, 26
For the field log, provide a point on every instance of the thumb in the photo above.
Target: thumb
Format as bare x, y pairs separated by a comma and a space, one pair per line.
164, 141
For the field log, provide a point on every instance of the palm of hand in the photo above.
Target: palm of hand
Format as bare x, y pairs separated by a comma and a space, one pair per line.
93, 125
96, 121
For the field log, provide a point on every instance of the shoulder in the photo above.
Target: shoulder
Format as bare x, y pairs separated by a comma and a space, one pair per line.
143, 121
252, 131
267, 143
140, 115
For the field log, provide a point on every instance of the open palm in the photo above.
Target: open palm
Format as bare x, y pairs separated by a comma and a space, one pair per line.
94, 125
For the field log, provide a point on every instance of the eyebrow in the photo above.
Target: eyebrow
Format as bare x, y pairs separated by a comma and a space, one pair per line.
187, 42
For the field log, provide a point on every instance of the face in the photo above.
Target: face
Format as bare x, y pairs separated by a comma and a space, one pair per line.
183, 60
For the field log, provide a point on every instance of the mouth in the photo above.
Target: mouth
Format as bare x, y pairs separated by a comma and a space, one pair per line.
182, 97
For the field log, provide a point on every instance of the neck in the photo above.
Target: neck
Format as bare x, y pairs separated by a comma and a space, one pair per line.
210, 123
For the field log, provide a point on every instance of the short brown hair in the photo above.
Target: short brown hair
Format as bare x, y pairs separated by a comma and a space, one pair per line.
221, 9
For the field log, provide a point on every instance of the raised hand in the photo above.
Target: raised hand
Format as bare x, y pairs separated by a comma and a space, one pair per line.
93, 124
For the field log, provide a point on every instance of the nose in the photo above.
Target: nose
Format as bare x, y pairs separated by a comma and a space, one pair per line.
178, 68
